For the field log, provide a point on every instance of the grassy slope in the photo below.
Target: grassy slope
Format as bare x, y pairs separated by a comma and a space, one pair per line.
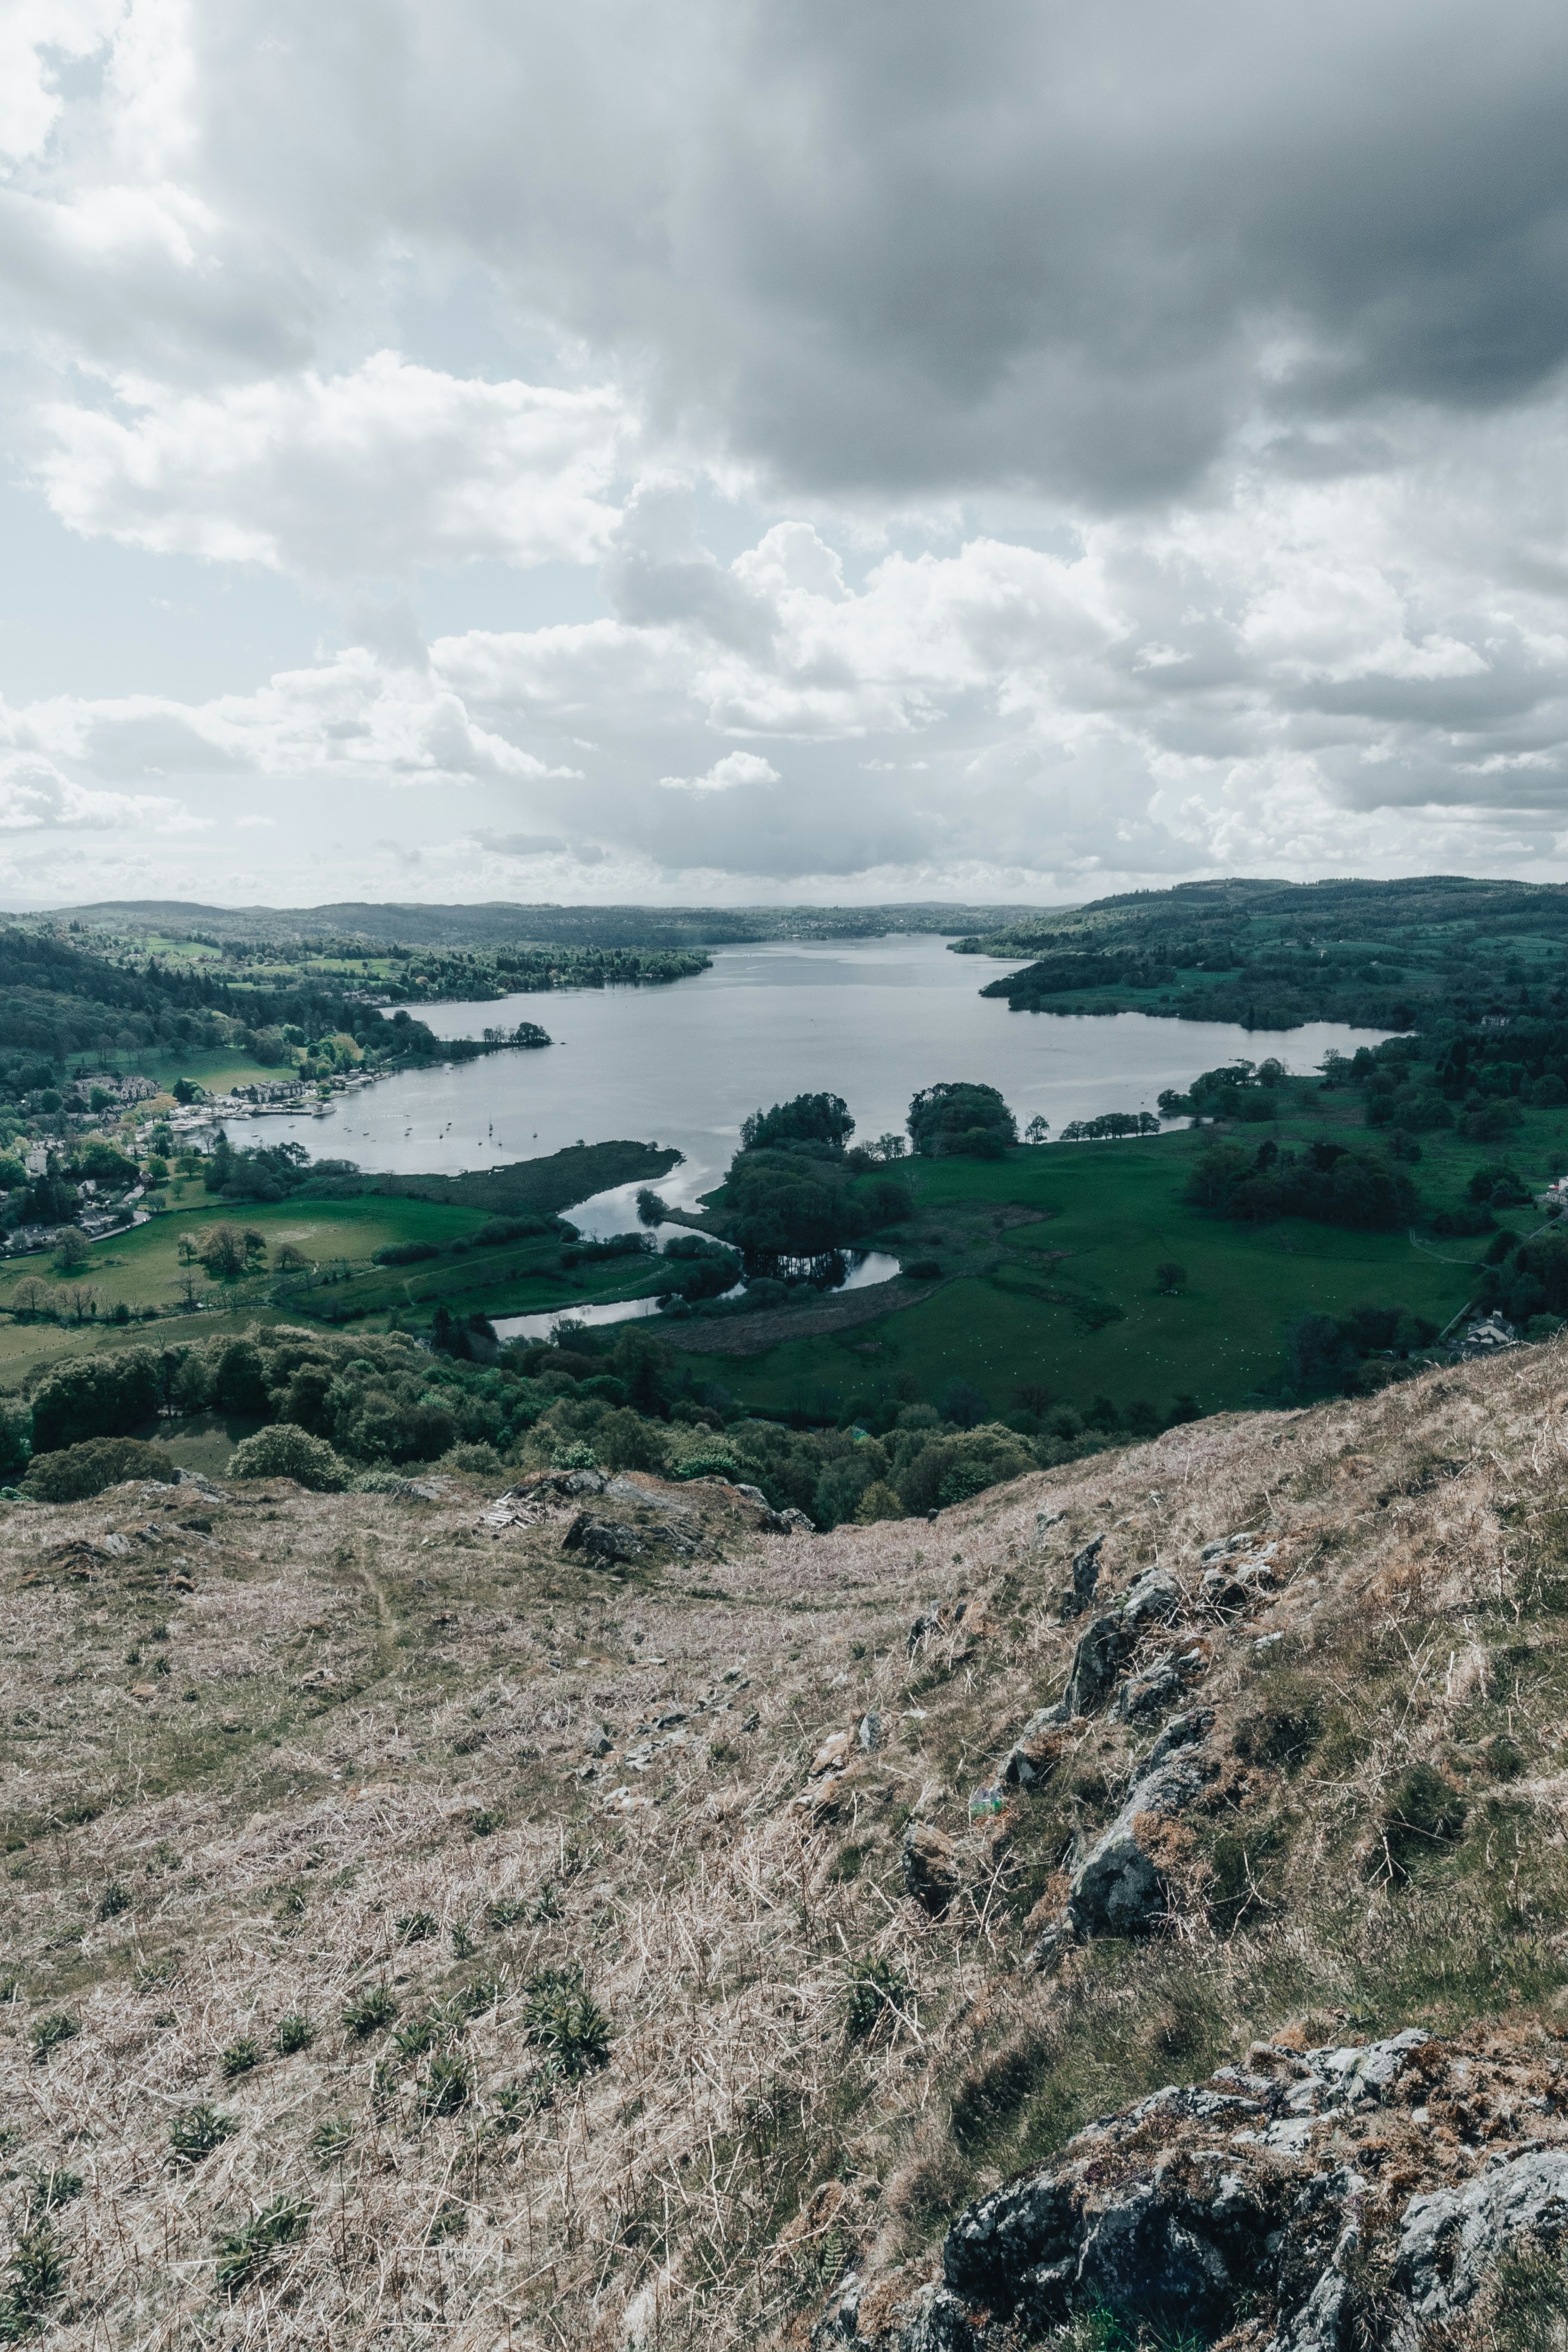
1117, 1210
351, 1677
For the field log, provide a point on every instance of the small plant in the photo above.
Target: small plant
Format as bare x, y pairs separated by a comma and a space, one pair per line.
240, 2058
450, 2221
154, 1975
418, 2035
463, 1944
876, 1994
251, 2249
482, 1993
294, 2032
566, 2022
485, 1820
35, 2277
52, 2187
50, 2033
196, 2131
330, 2141
509, 1911
1424, 1814
546, 1904
292, 1910
446, 2087
417, 1926
114, 1900
369, 2012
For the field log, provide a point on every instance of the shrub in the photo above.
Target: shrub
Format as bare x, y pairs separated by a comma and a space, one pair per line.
369, 2012
331, 2141
286, 1451
924, 1269
95, 1396
196, 2131
566, 2022
405, 1254
251, 2249
447, 2085
294, 2032
877, 1995
77, 1472
36, 2277
879, 1502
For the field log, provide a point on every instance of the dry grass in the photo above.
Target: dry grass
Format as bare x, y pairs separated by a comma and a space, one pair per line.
391, 1670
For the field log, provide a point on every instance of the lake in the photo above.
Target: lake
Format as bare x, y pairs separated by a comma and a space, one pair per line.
872, 1019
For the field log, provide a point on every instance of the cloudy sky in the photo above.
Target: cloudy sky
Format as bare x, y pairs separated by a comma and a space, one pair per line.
760, 449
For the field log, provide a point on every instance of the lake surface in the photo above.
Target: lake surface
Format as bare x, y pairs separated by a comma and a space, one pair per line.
872, 1019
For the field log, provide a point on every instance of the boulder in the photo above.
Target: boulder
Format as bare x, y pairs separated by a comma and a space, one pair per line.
929, 1864
601, 1538
1450, 2241
1119, 1888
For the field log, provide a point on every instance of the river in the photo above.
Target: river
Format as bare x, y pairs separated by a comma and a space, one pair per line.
872, 1019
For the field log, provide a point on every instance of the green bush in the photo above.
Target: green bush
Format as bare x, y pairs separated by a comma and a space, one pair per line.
240, 2058
35, 2277
196, 2131
77, 1472
566, 2022
251, 2249
446, 2085
369, 2012
286, 1451
877, 1995
95, 1396
294, 2032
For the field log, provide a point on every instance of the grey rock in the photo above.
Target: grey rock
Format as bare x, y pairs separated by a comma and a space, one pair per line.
1117, 1889
1450, 2241
602, 1540
797, 1524
1085, 1577
584, 1482
1223, 1545
1033, 1753
1102, 1654
1153, 1599
869, 1733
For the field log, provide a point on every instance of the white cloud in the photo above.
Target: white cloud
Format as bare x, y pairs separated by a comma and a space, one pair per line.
366, 472
735, 768
34, 797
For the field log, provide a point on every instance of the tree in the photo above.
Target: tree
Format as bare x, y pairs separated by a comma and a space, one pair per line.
971, 1121
1034, 1397
71, 1250
30, 1298
890, 1147
1037, 1130
223, 1252
84, 1301
808, 1119
95, 1396
1171, 1276
186, 1249
287, 1258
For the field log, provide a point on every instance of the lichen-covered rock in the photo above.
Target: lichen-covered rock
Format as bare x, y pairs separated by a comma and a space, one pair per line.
1276, 2198
1085, 1578
1119, 1888
601, 1538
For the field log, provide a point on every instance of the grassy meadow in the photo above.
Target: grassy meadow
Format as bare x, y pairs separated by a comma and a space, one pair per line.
1026, 1303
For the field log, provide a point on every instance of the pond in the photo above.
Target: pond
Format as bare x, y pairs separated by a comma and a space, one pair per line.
872, 1019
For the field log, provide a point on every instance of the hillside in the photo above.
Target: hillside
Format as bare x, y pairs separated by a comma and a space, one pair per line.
607, 1920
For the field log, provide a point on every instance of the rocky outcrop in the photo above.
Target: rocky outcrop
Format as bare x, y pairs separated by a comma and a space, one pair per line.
1118, 1888
1314, 2201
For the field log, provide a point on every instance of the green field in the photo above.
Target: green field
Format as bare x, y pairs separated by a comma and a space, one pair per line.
1115, 1211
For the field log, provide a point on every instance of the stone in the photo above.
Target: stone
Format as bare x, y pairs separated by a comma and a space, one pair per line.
1450, 2240
832, 1755
1236, 1583
1035, 1750
1097, 1663
869, 1733
929, 1864
601, 1538
1119, 1888
1153, 1599
797, 1524
1085, 1577
1157, 1685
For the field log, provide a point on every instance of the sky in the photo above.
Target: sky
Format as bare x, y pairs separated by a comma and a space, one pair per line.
671, 451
